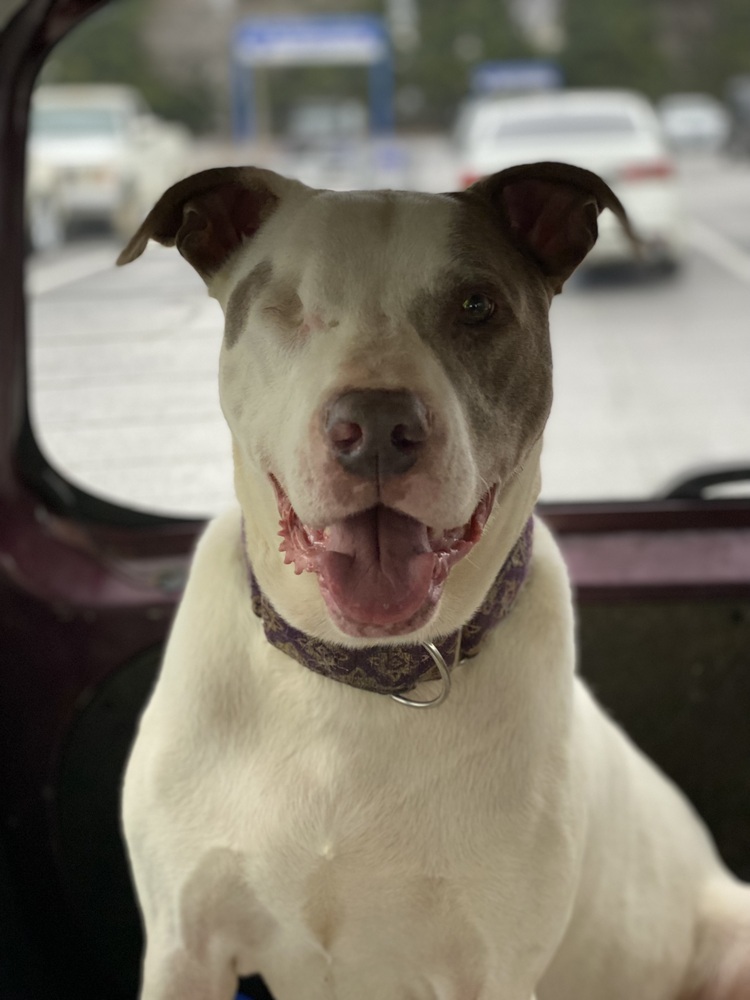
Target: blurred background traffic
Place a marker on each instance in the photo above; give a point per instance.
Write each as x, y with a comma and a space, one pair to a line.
654, 95
339, 96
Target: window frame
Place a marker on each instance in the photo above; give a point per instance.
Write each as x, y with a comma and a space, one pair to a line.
24, 470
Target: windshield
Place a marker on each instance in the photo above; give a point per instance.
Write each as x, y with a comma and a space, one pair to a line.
73, 123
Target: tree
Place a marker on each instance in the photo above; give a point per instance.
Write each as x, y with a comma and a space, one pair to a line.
613, 44
109, 47
731, 43
454, 37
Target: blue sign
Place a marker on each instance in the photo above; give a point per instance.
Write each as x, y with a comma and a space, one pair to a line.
325, 39
516, 75
322, 40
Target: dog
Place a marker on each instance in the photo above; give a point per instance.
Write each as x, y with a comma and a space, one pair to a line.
368, 768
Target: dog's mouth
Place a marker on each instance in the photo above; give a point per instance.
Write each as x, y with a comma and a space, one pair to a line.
381, 572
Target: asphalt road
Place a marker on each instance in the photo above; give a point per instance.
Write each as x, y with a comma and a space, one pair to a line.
652, 375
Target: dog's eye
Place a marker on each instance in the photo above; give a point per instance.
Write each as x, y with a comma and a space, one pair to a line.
476, 308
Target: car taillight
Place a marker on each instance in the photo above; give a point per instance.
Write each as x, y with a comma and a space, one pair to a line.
650, 170
470, 178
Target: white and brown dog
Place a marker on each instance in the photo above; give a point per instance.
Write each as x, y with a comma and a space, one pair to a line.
386, 377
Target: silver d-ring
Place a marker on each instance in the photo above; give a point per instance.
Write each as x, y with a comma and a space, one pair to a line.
445, 676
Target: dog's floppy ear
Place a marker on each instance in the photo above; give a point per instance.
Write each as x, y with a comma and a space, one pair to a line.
551, 211
208, 215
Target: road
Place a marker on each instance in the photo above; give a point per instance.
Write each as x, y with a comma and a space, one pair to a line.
652, 375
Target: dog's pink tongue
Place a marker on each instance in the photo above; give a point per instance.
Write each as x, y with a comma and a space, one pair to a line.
378, 566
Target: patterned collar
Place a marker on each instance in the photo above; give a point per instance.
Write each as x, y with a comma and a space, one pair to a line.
394, 670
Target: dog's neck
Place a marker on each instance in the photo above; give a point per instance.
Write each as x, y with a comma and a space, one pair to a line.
395, 669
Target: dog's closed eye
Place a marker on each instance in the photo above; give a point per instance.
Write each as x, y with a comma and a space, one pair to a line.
285, 307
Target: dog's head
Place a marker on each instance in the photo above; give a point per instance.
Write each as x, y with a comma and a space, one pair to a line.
386, 375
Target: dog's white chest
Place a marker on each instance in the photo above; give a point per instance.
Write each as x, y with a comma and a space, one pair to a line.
345, 845
342, 908
356, 835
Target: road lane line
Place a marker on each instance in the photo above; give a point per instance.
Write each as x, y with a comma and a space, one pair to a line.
720, 249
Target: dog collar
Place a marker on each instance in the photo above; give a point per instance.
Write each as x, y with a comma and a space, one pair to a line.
394, 670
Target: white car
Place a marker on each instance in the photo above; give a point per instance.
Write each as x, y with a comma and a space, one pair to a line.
615, 133
110, 157
695, 122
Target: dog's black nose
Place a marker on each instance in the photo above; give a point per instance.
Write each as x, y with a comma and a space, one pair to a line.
377, 433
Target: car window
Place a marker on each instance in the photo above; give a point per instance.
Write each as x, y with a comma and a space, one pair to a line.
651, 353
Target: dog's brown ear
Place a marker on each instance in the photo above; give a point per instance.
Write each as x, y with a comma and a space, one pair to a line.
551, 211
208, 215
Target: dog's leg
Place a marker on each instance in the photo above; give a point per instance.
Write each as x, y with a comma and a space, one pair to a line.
732, 979
177, 975
725, 945
198, 949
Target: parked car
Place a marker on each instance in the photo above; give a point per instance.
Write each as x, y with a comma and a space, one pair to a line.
695, 122
109, 156
615, 133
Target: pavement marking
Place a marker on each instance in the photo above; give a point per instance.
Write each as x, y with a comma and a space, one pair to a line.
720, 249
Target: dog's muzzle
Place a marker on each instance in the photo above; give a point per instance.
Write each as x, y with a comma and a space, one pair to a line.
377, 433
